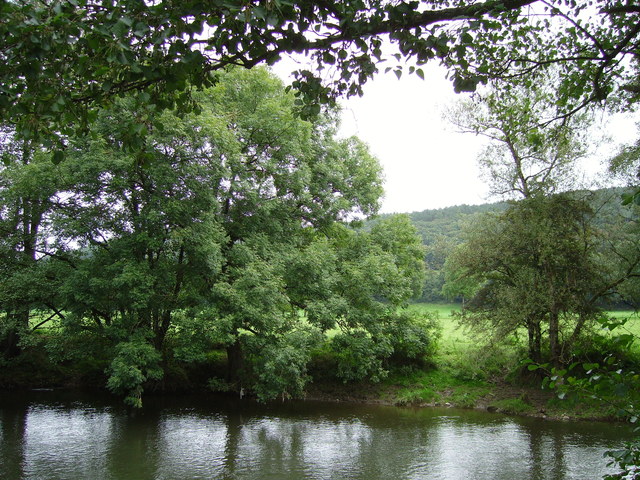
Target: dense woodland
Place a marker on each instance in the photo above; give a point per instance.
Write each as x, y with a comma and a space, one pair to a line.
172, 215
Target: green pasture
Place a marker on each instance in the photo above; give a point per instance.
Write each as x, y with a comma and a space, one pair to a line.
452, 334
469, 355
465, 366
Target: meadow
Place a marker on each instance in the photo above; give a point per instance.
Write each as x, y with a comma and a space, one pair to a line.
472, 371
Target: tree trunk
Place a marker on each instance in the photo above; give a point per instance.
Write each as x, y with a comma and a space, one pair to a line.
10, 344
18, 323
235, 361
535, 346
554, 338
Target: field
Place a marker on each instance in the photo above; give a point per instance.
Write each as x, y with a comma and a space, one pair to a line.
452, 335
470, 372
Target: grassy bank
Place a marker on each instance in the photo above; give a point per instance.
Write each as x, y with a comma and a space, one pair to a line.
469, 373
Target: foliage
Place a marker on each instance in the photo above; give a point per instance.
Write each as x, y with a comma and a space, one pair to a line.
625, 166
28, 186
229, 228
627, 459
403, 341
441, 230
279, 366
207, 221
532, 148
535, 263
65, 58
413, 339
614, 382
135, 362
360, 357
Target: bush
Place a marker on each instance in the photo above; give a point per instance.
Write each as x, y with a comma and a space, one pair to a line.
278, 366
361, 357
628, 460
413, 339
135, 362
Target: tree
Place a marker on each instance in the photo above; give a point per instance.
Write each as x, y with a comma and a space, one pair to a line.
532, 149
28, 187
230, 228
64, 58
535, 267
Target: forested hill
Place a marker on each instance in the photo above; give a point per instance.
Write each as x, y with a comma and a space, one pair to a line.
448, 222
442, 229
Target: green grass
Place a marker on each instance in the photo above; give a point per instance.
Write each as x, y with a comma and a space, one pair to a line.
454, 338
438, 387
464, 368
633, 321
513, 406
442, 309
450, 330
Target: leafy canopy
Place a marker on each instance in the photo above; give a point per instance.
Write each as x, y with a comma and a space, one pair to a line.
62, 59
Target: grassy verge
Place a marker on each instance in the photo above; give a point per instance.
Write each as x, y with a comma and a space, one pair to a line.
467, 374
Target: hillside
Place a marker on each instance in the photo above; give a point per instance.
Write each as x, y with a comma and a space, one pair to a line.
442, 229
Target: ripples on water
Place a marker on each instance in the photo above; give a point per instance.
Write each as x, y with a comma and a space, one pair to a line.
44, 438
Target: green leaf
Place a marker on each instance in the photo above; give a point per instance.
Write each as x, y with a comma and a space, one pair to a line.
328, 58
58, 157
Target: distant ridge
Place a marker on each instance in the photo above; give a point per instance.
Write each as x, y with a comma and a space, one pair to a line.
441, 229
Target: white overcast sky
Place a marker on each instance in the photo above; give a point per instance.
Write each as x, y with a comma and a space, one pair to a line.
427, 164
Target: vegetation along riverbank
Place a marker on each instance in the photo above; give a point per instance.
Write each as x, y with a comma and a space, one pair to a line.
460, 372
173, 217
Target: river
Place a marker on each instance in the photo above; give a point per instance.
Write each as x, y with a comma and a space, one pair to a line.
68, 436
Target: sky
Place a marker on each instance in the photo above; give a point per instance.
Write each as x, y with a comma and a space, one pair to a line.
427, 164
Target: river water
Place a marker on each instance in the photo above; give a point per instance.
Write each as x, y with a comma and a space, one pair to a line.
65, 436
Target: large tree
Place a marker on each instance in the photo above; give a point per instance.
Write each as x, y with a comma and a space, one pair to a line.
535, 267
63, 58
229, 228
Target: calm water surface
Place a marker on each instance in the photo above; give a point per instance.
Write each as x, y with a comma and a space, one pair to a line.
52, 435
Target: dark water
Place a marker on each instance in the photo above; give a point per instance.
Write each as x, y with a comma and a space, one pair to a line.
49, 435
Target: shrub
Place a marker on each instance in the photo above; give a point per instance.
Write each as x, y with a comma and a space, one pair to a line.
413, 339
361, 357
135, 362
278, 366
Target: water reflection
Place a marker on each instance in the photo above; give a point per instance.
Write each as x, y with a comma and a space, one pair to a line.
44, 438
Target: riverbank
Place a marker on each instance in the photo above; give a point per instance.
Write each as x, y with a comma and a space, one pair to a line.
421, 389
459, 372
431, 387
498, 397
